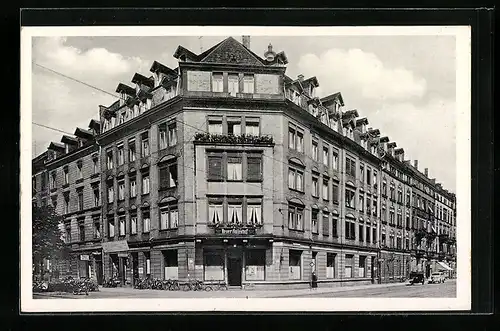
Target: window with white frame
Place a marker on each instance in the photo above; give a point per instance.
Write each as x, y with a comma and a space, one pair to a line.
121, 222
215, 213
255, 264
111, 227
215, 125
121, 190
315, 186
296, 179
235, 213
325, 189
234, 126
254, 214
295, 138
314, 150
131, 150
252, 126
248, 83
217, 82
144, 144
133, 186
111, 192
350, 229
234, 167
133, 223
326, 155
172, 133
350, 167
146, 221
66, 175
350, 198
233, 83
109, 159
335, 159
66, 203
121, 156
53, 181
169, 217
314, 221
79, 166
145, 183
295, 217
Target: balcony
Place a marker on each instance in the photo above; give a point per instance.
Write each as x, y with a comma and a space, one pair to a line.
209, 139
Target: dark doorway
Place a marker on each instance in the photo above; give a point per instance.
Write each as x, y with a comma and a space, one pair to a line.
135, 268
234, 267
428, 271
98, 269
372, 270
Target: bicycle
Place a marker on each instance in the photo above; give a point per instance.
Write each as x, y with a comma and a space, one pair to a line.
172, 285
220, 286
197, 285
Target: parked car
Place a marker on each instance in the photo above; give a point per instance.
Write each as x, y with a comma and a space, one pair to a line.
417, 278
437, 277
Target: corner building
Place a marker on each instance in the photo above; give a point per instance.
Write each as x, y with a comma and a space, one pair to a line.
226, 169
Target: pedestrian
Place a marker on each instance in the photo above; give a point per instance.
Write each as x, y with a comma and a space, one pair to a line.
314, 280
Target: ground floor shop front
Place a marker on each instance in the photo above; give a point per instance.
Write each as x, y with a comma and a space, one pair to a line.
243, 263
85, 263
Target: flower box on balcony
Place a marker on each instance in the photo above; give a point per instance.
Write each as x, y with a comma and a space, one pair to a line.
208, 138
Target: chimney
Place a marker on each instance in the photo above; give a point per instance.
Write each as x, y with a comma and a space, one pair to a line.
426, 172
415, 164
246, 41
300, 77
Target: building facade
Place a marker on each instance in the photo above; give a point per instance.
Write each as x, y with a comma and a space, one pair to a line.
226, 169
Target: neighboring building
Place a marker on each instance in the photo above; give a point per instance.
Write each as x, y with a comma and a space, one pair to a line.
445, 216
73, 180
224, 168
397, 234
39, 180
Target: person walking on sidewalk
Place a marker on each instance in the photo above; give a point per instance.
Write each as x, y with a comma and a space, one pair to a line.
314, 280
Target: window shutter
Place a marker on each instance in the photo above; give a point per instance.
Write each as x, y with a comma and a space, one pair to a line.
254, 168
215, 168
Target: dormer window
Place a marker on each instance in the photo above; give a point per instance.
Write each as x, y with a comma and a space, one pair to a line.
312, 91
66, 148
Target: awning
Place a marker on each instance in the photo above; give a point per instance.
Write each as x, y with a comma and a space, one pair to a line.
115, 246
444, 266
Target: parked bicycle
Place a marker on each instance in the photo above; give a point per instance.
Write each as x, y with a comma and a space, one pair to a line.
171, 285
196, 285
220, 286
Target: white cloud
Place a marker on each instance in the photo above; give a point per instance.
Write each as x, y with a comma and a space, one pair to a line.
362, 73
427, 134
63, 103
53, 51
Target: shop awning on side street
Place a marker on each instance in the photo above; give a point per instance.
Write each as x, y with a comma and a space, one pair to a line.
115, 246
444, 266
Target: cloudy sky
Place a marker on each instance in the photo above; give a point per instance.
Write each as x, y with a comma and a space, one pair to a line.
404, 85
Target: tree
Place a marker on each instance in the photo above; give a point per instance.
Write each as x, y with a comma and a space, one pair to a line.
47, 236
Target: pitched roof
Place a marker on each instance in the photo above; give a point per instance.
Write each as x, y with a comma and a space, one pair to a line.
333, 97
123, 88
69, 140
82, 133
56, 146
231, 51
157, 66
140, 79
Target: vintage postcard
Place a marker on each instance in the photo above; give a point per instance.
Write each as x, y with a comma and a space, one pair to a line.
245, 169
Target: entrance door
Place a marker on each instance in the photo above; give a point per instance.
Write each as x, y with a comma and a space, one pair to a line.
234, 267
135, 268
372, 269
98, 266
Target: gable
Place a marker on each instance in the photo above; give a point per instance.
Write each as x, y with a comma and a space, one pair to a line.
231, 51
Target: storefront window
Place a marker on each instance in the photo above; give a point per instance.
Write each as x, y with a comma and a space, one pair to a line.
330, 265
171, 264
213, 261
255, 261
294, 259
